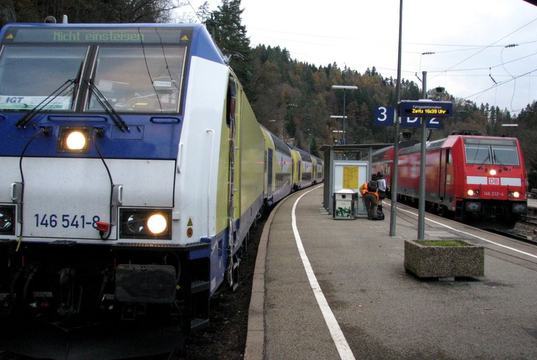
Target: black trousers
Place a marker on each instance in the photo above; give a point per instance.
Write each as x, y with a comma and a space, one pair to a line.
382, 196
370, 202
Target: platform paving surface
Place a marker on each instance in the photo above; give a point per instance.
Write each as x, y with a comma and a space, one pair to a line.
384, 312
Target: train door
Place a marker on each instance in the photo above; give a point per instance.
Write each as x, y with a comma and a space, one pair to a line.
442, 183
265, 174
234, 200
269, 172
292, 172
299, 173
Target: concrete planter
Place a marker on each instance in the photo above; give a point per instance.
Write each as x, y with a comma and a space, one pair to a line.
441, 258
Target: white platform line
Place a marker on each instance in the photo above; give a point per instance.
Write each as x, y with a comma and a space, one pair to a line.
342, 346
470, 234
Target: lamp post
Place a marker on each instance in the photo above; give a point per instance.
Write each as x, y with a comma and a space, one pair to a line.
342, 131
395, 172
423, 165
508, 126
344, 87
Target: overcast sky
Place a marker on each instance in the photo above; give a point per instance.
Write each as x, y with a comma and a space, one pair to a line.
467, 38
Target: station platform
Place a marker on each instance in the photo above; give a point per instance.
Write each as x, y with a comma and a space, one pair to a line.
331, 289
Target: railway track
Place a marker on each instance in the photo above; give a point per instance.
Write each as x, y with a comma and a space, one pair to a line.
531, 220
524, 230
512, 234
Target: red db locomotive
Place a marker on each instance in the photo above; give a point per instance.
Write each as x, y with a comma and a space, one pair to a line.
470, 176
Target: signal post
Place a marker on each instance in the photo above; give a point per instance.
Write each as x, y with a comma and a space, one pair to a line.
425, 110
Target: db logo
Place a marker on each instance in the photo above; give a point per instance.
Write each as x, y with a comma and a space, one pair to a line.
494, 181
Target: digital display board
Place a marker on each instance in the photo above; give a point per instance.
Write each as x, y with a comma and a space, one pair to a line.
425, 109
97, 35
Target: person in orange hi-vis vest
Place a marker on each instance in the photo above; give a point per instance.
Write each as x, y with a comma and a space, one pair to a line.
370, 196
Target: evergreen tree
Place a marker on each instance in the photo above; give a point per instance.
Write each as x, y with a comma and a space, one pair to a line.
80, 11
226, 28
7, 12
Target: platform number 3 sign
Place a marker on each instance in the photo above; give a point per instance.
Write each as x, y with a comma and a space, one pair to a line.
384, 117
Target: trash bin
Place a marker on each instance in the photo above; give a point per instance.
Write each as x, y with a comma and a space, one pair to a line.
344, 204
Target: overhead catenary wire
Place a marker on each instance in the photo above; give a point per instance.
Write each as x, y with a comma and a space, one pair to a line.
500, 84
491, 44
469, 45
194, 11
509, 73
325, 36
485, 67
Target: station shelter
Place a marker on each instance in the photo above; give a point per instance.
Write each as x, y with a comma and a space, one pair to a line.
347, 167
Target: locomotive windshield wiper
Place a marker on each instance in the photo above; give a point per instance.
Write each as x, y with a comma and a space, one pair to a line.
50, 98
120, 123
487, 159
46, 101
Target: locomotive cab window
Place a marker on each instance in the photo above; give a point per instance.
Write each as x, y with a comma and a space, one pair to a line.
145, 79
478, 154
29, 74
501, 152
505, 155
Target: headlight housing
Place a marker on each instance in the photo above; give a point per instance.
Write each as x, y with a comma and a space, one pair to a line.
74, 140
514, 194
471, 192
145, 224
7, 220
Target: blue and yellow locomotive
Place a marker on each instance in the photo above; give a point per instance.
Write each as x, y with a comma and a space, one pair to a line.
132, 170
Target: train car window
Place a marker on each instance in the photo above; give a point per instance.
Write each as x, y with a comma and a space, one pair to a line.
28, 74
478, 154
136, 78
505, 155
280, 145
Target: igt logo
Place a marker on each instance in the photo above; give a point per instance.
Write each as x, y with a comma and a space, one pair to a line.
14, 99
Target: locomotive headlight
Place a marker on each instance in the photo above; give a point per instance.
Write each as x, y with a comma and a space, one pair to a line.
74, 140
470, 192
145, 223
492, 172
516, 194
135, 225
7, 220
157, 224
